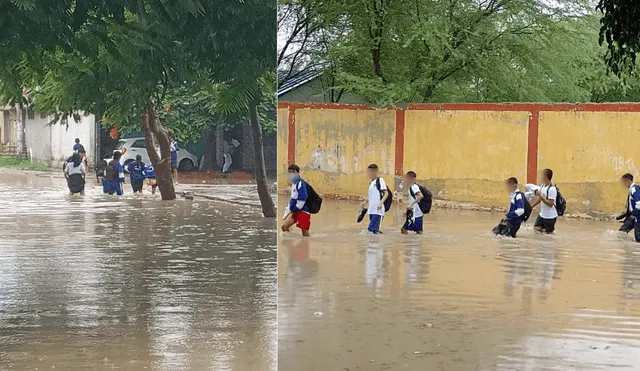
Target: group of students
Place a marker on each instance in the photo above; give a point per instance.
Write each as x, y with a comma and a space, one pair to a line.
113, 176
547, 195
305, 201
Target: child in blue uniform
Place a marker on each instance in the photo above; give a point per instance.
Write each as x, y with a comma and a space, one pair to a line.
136, 170
174, 156
297, 212
510, 225
149, 174
114, 176
633, 206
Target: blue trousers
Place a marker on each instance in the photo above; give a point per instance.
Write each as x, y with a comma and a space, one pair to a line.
374, 223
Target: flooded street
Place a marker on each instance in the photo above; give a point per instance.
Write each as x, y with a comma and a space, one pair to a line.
457, 298
132, 283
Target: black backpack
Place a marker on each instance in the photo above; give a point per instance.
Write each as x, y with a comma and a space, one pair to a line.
111, 172
101, 167
314, 201
389, 200
427, 199
527, 208
561, 203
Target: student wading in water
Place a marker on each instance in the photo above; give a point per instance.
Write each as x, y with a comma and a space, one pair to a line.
136, 171
420, 200
632, 215
547, 195
114, 176
519, 210
297, 212
75, 173
378, 199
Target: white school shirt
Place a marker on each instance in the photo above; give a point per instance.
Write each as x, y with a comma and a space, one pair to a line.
550, 192
70, 169
633, 189
416, 208
374, 197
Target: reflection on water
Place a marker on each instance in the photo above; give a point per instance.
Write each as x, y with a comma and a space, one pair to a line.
457, 298
134, 283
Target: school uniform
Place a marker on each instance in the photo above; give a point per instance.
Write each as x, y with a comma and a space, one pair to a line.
174, 155
112, 183
634, 208
75, 180
375, 196
298, 205
548, 214
149, 173
78, 147
513, 216
136, 176
416, 222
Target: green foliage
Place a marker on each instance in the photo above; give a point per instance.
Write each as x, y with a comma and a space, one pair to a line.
21, 163
399, 51
620, 30
116, 59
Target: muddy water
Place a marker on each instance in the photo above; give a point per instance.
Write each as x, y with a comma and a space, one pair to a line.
132, 283
457, 298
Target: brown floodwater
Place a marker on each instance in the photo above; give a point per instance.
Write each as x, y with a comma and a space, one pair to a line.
132, 283
457, 298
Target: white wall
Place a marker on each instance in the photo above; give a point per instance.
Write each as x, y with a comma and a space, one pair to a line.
52, 144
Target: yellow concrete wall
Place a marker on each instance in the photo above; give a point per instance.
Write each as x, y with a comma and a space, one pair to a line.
334, 148
283, 146
466, 155
588, 152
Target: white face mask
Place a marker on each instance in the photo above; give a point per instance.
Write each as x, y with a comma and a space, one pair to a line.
293, 177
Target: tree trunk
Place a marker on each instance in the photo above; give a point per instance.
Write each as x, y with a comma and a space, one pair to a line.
154, 129
376, 55
21, 145
209, 152
219, 138
268, 208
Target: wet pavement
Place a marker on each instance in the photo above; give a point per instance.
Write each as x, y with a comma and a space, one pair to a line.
457, 298
132, 283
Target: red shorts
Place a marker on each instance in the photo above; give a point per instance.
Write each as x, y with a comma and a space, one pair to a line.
302, 219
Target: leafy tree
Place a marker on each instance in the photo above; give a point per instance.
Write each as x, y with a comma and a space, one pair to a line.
399, 51
126, 57
620, 29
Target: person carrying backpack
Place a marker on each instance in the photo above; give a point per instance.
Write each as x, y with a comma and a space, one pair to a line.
547, 196
420, 200
632, 215
378, 200
302, 204
519, 210
114, 176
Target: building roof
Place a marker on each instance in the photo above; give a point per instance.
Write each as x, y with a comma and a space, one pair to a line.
296, 81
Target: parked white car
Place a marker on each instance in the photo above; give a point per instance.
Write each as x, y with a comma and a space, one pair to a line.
136, 146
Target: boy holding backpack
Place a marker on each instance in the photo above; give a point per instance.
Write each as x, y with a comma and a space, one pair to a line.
420, 201
519, 210
551, 203
378, 200
299, 212
631, 216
